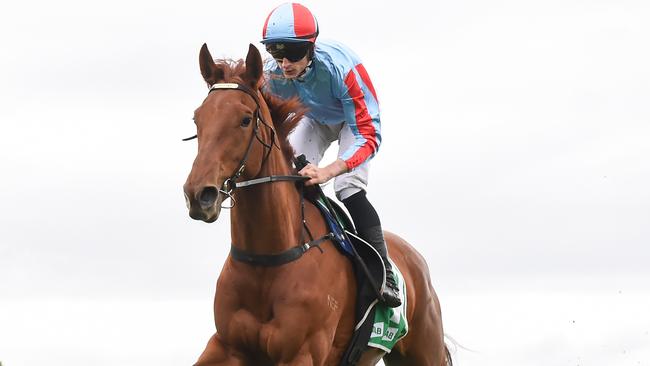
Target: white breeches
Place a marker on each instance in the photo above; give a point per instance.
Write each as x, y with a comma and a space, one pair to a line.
312, 139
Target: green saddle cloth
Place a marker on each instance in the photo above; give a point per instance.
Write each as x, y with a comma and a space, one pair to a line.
390, 323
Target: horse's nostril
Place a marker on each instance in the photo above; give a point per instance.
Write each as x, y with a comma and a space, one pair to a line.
187, 201
208, 197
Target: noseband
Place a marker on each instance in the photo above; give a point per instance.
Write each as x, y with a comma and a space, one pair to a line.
231, 183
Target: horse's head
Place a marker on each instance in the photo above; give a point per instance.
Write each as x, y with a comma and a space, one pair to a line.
233, 139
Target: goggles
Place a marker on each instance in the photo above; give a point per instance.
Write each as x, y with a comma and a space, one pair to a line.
293, 52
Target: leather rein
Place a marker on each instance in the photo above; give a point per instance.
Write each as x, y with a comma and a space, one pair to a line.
230, 184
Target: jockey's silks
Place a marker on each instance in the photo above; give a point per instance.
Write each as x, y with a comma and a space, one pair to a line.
335, 88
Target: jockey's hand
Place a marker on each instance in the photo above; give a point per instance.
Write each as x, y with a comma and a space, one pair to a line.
322, 175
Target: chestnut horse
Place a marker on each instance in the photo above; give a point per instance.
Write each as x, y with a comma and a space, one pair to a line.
300, 312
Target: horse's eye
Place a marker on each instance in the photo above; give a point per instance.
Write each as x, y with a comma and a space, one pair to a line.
246, 121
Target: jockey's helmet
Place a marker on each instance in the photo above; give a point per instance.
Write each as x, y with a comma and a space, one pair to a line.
290, 23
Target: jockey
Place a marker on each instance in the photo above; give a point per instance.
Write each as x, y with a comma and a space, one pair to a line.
331, 81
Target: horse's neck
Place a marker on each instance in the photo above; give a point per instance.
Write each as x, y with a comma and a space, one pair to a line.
266, 218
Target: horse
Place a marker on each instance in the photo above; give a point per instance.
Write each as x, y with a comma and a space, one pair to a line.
300, 312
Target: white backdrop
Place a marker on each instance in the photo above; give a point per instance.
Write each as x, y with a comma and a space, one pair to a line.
515, 158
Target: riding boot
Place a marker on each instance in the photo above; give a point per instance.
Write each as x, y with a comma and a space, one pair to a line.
375, 237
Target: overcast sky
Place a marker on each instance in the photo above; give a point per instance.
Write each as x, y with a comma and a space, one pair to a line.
515, 158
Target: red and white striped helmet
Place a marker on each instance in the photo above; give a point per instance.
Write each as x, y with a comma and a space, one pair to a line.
290, 22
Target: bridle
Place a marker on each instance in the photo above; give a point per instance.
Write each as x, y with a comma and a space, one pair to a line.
229, 185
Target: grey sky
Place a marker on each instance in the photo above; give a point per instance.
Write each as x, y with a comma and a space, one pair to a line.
515, 158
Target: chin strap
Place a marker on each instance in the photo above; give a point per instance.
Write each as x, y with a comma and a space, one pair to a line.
304, 72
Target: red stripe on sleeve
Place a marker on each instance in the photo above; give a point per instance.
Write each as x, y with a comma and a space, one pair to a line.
359, 157
366, 80
363, 122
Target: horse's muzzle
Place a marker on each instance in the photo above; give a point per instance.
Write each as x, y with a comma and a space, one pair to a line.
205, 204
208, 196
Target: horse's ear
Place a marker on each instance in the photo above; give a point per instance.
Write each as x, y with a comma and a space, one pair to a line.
210, 71
254, 70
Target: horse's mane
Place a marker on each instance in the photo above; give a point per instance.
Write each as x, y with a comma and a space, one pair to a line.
285, 113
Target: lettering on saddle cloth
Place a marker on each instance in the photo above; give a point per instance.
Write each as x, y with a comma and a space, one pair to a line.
377, 325
390, 324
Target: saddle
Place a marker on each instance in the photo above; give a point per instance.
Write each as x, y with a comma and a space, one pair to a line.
367, 264
368, 270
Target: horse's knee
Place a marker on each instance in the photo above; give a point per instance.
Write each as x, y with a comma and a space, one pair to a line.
370, 357
216, 354
279, 344
272, 343
302, 360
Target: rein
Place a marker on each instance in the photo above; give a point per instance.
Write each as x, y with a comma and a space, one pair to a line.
230, 184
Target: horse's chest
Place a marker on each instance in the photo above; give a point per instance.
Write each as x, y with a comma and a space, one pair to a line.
256, 308
260, 319
265, 329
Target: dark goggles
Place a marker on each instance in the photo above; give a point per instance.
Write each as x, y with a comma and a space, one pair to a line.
293, 52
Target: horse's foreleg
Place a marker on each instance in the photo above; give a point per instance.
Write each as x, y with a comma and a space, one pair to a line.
370, 357
291, 346
301, 360
217, 354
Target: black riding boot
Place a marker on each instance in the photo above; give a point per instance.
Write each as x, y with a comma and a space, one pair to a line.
375, 237
368, 226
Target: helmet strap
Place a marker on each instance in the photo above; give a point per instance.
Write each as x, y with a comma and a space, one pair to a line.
310, 53
299, 77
